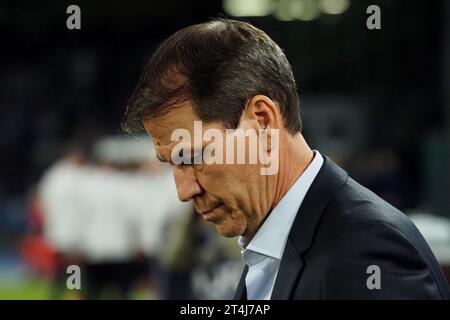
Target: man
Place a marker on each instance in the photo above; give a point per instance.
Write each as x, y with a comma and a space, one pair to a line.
307, 230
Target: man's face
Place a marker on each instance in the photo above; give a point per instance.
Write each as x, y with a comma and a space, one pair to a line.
235, 197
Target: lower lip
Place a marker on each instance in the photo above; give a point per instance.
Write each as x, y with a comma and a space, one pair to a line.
210, 216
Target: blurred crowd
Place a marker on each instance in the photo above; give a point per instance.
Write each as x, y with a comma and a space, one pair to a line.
116, 215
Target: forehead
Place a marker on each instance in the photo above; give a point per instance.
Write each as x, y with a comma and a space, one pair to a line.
180, 117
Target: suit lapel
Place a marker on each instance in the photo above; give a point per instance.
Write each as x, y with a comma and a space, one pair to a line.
241, 291
290, 267
328, 181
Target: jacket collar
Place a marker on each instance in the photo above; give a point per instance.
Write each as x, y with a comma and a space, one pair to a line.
328, 181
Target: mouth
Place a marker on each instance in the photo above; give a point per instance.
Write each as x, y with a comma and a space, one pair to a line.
209, 214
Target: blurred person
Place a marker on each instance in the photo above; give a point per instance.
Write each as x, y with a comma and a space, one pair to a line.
178, 258
108, 242
34, 246
308, 231
196, 262
219, 266
63, 215
153, 184
152, 198
130, 197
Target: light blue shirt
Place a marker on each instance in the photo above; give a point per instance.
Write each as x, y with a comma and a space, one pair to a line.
264, 252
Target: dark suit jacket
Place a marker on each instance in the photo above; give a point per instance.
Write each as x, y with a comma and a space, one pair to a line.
340, 230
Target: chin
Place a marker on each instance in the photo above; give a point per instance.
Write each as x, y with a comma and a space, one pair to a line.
229, 231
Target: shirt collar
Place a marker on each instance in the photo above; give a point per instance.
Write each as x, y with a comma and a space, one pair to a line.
271, 237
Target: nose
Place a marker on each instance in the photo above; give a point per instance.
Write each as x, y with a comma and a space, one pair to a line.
186, 182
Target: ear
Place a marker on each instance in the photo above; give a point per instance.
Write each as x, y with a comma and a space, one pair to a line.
264, 112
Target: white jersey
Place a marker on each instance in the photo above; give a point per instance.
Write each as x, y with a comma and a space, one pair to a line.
108, 227
59, 191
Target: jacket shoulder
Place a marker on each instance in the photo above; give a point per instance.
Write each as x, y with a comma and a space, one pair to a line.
360, 230
355, 205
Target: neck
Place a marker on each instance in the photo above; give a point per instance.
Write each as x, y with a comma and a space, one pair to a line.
294, 160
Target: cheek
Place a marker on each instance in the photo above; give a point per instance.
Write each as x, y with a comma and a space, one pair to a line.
237, 186
232, 225
221, 180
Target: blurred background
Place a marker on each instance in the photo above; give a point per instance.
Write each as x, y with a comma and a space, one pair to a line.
73, 190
